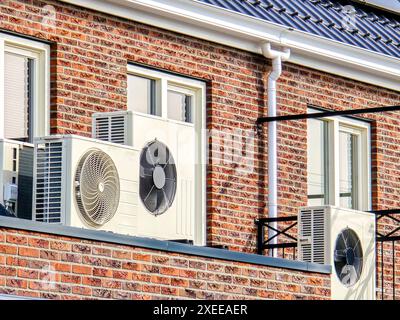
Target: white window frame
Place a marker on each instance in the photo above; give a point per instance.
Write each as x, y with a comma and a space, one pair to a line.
196, 88
40, 53
362, 130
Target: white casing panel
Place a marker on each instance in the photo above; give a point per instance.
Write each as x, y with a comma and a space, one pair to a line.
72, 149
318, 230
178, 222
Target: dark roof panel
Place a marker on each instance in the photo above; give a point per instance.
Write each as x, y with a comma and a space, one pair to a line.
373, 30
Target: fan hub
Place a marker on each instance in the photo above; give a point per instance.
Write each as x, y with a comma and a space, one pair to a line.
350, 255
101, 187
159, 177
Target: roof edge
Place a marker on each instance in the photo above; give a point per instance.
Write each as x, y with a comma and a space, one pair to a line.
247, 33
384, 5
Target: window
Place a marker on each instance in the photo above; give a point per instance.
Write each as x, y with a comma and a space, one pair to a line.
160, 94
317, 162
24, 86
18, 71
180, 104
348, 182
338, 165
172, 109
142, 95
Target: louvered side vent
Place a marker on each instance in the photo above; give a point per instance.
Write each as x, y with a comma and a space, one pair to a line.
318, 238
305, 235
48, 183
110, 128
25, 183
312, 235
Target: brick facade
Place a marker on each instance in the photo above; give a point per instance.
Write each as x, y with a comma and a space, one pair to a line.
53, 267
90, 52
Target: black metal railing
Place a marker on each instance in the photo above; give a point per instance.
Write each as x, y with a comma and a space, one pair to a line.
387, 235
288, 241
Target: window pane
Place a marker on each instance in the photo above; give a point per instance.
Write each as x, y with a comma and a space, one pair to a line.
347, 170
141, 95
17, 97
316, 164
179, 106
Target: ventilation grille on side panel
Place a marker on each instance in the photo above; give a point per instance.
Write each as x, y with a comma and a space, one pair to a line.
312, 235
305, 228
110, 128
48, 184
318, 236
25, 182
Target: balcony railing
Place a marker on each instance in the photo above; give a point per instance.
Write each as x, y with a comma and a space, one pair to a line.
387, 240
288, 241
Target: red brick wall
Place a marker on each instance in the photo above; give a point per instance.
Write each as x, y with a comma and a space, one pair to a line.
89, 58
89, 72
300, 86
40, 265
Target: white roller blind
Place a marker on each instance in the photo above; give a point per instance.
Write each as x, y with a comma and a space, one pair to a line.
16, 96
179, 106
141, 95
317, 162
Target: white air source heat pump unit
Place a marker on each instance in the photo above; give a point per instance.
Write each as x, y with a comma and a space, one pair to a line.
84, 183
167, 187
344, 239
16, 177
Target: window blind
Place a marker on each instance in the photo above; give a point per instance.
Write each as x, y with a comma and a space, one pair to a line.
16, 96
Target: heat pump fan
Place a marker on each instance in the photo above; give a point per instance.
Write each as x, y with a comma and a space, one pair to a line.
344, 239
97, 187
158, 177
348, 257
86, 183
171, 193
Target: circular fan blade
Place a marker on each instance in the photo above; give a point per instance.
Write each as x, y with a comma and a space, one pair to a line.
157, 177
339, 256
147, 161
169, 190
151, 200
162, 202
170, 171
97, 191
149, 193
349, 275
146, 186
158, 152
163, 155
348, 257
344, 234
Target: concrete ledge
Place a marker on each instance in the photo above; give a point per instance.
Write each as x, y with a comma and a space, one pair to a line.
169, 246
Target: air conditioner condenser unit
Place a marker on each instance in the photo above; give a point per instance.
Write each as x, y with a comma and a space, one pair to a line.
344, 239
170, 189
16, 177
85, 183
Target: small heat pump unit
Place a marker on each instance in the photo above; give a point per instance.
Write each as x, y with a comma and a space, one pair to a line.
16, 177
169, 193
344, 239
85, 183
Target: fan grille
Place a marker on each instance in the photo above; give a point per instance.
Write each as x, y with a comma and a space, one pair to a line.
158, 177
348, 257
97, 187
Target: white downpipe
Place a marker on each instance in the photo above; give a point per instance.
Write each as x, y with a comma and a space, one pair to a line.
277, 58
